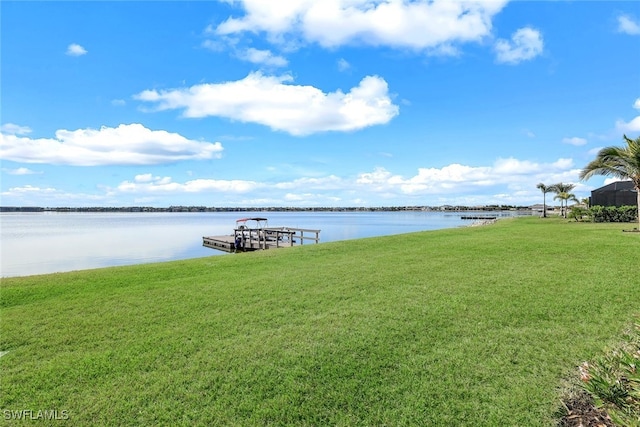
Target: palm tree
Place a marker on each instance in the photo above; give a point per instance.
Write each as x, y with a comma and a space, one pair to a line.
563, 196
559, 189
545, 189
618, 162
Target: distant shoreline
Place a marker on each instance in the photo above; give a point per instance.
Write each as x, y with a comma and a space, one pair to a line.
446, 208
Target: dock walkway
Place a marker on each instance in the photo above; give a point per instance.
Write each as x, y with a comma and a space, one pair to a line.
479, 217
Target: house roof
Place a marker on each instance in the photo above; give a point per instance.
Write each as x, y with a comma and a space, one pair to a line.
616, 186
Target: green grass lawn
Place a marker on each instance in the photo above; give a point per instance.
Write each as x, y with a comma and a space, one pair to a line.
471, 326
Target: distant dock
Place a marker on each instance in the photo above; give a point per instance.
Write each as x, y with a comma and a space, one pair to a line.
260, 237
479, 217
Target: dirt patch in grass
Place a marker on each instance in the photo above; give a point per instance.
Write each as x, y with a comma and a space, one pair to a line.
581, 412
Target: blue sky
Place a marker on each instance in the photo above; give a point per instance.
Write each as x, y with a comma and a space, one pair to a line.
311, 102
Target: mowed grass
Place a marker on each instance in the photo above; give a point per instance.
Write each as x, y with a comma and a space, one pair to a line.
477, 326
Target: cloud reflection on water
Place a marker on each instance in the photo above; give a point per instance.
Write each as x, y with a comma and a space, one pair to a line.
69, 242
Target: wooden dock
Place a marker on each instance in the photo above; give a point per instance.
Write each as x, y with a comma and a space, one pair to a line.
246, 239
479, 217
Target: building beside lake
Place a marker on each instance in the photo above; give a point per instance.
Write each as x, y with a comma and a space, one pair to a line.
619, 193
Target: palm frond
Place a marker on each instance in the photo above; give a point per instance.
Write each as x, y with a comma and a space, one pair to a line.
618, 162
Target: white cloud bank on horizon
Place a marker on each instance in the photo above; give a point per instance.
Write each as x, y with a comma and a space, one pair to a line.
525, 44
274, 102
450, 179
147, 183
30, 195
420, 25
131, 144
457, 178
507, 181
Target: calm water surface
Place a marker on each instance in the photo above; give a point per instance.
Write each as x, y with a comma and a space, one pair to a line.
48, 242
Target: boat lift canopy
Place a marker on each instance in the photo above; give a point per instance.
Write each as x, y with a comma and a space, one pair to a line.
260, 222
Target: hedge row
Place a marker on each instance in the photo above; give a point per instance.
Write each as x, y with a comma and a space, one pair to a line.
606, 213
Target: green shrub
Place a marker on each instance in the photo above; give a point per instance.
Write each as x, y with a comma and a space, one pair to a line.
578, 213
614, 380
613, 213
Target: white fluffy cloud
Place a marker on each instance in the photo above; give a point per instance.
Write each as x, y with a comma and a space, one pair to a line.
631, 126
30, 195
272, 101
75, 50
416, 24
507, 180
262, 57
131, 144
20, 171
13, 129
454, 182
462, 182
574, 141
343, 64
147, 183
331, 182
525, 44
627, 25
461, 179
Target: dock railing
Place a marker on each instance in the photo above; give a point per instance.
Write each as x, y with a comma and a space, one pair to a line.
302, 237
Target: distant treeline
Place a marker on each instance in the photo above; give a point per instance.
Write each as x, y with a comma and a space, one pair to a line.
489, 208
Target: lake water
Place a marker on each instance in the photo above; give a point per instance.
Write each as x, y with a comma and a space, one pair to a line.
49, 242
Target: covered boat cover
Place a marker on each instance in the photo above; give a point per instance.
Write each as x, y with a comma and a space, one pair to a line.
259, 222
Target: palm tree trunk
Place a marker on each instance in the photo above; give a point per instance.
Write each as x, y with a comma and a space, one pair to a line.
638, 190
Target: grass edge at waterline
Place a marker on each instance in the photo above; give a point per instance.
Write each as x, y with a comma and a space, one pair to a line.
466, 326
